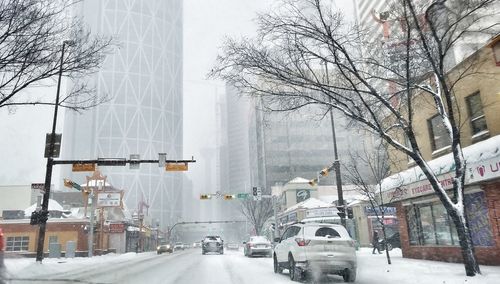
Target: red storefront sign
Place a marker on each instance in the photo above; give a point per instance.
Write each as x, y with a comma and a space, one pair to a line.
117, 228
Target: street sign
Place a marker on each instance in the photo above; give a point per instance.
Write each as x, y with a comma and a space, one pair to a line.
83, 167
39, 186
176, 167
57, 145
258, 197
243, 195
134, 161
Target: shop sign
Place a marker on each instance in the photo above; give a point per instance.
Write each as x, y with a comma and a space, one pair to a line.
292, 217
302, 195
476, 172
321, 212
371, 211
109, 199
116, 228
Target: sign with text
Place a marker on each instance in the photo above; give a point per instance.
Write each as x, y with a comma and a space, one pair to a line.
176, 167
109, 199
302, 195
321, 212
116, 228
83, 167
39, 186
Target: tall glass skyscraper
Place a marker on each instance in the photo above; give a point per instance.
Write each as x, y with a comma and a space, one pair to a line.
143, 79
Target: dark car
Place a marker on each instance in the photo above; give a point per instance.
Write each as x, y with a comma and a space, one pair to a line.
394, 240
212, 244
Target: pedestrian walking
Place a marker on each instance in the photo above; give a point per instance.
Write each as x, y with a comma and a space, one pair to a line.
375, 242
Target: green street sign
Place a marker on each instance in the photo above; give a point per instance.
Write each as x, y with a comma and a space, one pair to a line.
243, 195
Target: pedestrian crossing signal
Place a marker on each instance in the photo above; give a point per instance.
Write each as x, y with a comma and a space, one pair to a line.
205, 196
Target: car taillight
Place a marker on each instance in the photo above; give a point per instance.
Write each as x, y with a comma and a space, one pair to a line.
251, 245
302, 242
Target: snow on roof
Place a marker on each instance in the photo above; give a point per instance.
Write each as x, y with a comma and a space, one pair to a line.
298, 180
53, 206
475, 153
310, 203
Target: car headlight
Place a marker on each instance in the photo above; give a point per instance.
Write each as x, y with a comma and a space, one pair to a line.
157, 248
168, 246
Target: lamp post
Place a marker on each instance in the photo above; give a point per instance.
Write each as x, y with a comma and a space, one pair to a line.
337, 173
48, 174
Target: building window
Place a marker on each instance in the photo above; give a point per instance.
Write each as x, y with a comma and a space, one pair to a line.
17, 243
438, 134
53, 240
496, 52
430, 225
476, 114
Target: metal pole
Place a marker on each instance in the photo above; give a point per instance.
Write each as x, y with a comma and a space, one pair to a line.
91, 231
337, 172
48, 174
276, 226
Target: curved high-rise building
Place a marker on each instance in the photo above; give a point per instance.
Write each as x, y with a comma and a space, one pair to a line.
143, 78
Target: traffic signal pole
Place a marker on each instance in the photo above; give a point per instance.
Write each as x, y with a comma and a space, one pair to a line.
338, 176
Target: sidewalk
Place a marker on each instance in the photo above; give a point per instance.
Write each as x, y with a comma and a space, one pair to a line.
374, 269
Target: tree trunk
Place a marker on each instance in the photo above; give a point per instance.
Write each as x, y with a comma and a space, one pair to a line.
466, 246
386, 243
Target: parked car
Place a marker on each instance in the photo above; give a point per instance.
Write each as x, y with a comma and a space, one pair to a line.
164, 248
258, 245
233, 246
178, 246
393, 241
321, 248
212, 244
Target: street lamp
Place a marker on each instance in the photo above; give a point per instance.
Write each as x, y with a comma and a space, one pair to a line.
48, 174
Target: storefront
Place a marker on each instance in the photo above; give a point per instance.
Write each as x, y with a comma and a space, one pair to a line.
426, 229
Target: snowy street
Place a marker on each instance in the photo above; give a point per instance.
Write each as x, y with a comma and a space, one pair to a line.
191, 267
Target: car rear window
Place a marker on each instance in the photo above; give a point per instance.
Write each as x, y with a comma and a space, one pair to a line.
258, 239
322, 232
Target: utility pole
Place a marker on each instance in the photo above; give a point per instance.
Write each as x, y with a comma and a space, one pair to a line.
44, 212
340, 193
91, 225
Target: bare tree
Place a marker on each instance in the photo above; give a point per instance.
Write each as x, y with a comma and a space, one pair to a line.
370, 186
257, 212
31, 36
306, 53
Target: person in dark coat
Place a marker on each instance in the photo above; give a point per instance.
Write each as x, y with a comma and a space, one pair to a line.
375, 242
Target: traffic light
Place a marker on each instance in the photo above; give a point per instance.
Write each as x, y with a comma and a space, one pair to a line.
312, 182
324, 172
205, 196
341, 212
229, 197
68, 183
350, 214
254, 191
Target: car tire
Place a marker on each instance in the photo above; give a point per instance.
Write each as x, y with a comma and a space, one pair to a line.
292, 269
277, 268
349, 275
203, 252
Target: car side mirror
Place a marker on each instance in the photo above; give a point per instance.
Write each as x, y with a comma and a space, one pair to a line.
244, 243
277, 240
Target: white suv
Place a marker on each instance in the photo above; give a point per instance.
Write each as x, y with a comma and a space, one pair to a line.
315, 248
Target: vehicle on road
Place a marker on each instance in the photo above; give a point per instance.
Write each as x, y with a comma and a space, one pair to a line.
313, 249
178, 246
258, 245
212, 244
164, 248
393, 241
232, 246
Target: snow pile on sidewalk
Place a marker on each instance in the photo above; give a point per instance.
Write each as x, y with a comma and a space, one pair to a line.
374, 269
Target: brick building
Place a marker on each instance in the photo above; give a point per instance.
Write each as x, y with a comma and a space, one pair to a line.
427, 231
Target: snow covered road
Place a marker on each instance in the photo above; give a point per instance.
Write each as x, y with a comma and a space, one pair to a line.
186, 267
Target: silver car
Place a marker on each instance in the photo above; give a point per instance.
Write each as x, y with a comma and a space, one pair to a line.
316, 248
258, 245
